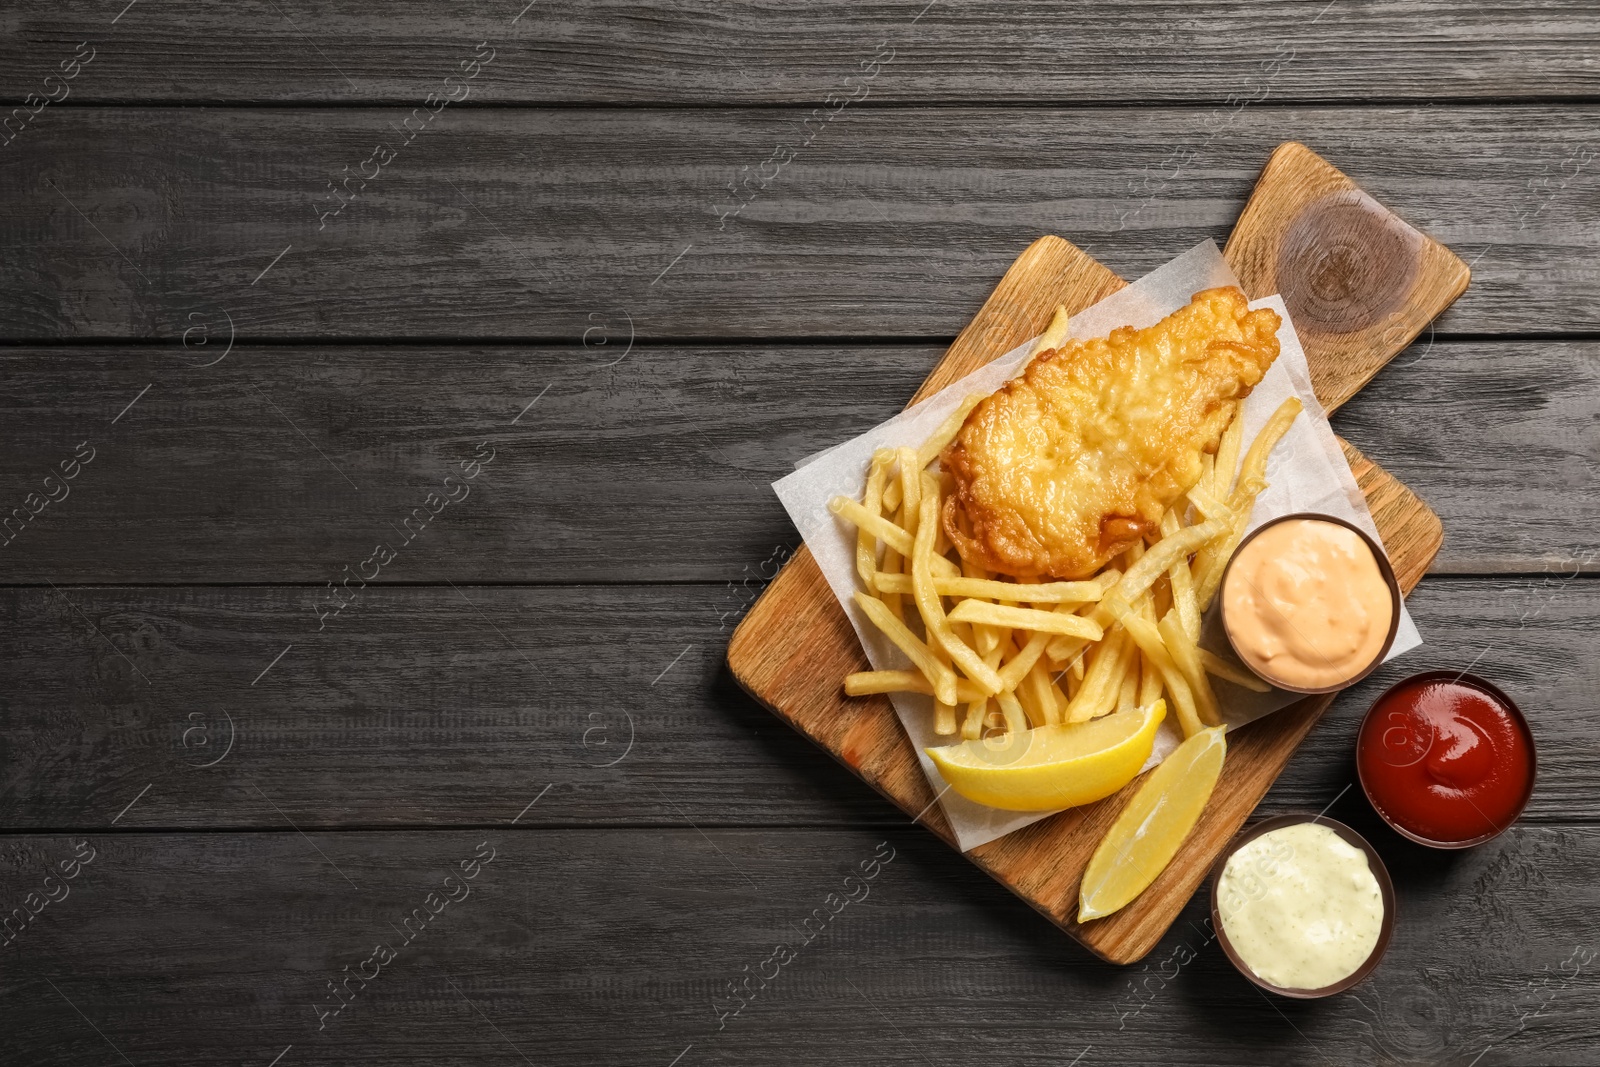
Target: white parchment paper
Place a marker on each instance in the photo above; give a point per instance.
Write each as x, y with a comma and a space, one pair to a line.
1306, 472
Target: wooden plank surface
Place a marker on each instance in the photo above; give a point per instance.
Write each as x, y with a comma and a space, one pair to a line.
577, 946
207, 469
893, 223
625, 907
620, 51
413, 709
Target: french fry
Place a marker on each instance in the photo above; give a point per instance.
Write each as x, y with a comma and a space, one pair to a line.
1106, 701
1209, 506
865, 683
1103, 682
964, 632
1149, 680
1181, 580
1023, 592
1150, 566
910, 489
892, 488
1055, 334
874, 524
895, 583
1126, 669
1058, 693
1128, 698
979, 708
1015, 592
1228, 455
1036, 689
891, 496
1213, 559
944, 714
1032, 619
1220, 667
927, 598
1148, 638
1016, 720
972, 726
1128, 666
946, 483
1255, 460
1210, 564
1018, 666
1032, 707
984, 638
947, 431
1067, 648
1013, 672
1137, 581
943, 679
891, 567
968, 634
1000, 646
1186, 657
1147, 612
872, 504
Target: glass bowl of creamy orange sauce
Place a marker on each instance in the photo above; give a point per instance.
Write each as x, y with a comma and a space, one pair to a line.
1310, 603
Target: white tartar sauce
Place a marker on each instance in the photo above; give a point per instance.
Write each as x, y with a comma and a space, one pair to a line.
1300, 906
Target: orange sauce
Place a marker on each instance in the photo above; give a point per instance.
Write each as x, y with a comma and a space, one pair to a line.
1306, 604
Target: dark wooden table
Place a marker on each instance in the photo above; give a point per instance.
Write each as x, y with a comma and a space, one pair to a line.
391, 394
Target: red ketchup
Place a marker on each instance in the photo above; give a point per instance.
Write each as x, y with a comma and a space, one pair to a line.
1446, 759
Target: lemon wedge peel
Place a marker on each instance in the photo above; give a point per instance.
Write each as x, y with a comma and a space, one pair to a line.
1053, 767
1154, 825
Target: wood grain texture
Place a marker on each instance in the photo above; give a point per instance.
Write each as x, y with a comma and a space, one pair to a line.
1360, 283
288, 465
1050, 273
626, 897
411, 707
522, 224
194, 949
621, 51
1507, 456
657, 469
789, 655
423, 707
1412, 533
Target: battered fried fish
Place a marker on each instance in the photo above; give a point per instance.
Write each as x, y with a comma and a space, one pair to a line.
1070, 464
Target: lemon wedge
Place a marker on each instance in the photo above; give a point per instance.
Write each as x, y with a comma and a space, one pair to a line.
1147, 834
1051, 767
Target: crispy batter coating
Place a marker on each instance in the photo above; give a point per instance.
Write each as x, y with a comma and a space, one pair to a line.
1067, 466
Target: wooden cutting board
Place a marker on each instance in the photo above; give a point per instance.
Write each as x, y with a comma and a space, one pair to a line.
795, 646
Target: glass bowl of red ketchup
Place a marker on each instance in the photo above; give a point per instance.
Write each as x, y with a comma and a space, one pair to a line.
1446, 758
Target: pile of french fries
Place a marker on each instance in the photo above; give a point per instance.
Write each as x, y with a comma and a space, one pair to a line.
999, 654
